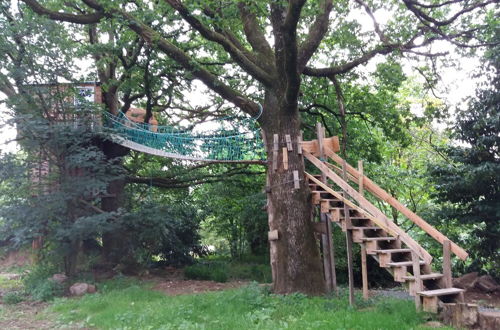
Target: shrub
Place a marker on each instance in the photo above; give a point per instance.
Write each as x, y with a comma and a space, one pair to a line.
217, 272
13, 297
38, 284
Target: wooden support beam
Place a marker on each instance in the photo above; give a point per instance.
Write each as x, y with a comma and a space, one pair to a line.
364, 267
418, 282
364, 272
331, 248
447, 280
299, 143
348, 234
385, 196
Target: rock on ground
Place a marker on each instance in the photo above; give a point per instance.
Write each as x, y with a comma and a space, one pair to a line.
79, 289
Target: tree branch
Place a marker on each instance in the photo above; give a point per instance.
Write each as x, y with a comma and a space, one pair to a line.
315, 35
251, 67
65, 17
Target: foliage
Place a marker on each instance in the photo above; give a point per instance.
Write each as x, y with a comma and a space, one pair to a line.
223, 269
39, 286
234, 210
251, 307
468, 184
168, 234
13, 297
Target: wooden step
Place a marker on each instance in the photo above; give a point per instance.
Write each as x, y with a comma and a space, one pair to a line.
424, 277
430, 297
393, 251
366, 228
403, 263
440, 292
368, 239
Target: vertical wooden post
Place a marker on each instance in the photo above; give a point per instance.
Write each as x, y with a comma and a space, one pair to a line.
326, 239
348, 236
275, 151
418, 282
447, 263
364, 268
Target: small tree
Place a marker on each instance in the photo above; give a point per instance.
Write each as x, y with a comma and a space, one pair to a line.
469, 184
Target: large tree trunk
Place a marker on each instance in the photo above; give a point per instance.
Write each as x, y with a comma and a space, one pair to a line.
295, 258
114, 247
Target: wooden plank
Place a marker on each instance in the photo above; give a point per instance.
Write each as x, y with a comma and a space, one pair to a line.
373, 210
285, 158
360, 178
275, 151
273, 235
296, 181
348, 233
319, 227
447, 263
332, 254
418, 282
288, 140
364, 272
382, 194
440, 292
299, 143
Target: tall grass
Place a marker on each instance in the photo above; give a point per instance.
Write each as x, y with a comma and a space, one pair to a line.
133, 306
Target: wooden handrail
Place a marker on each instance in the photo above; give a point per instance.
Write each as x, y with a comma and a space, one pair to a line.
385, 196
376, 215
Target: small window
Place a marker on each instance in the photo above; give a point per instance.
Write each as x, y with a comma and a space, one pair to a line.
85, 95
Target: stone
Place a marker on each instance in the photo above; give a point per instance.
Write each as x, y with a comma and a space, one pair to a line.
79, 289
489, 320
433, 324
466, 281
487, 284
59, 278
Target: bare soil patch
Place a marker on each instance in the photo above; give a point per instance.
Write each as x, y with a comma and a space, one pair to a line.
25, 315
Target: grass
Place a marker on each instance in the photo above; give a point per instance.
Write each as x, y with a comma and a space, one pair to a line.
127, 305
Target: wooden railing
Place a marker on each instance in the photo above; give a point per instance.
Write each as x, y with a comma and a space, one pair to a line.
378, 192
365, 207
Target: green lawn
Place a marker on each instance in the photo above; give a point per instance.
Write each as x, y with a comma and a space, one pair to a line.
125, 305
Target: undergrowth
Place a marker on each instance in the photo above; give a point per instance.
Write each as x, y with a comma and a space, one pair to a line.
129, 305
224, 270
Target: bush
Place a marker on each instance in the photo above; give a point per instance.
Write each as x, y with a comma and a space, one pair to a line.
222, 270
217, 272
13, 297
39, 286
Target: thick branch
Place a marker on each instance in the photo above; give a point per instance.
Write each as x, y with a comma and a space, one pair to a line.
65, 17
246, 64
290, 52
253, 31
315, 35
186, 61
346, 67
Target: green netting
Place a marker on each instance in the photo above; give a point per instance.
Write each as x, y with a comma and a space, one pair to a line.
239, 143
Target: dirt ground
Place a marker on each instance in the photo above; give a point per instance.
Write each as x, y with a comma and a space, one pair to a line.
25, 315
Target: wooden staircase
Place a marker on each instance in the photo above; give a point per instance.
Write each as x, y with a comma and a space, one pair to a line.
394, 249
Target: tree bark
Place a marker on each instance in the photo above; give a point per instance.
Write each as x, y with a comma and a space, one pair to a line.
114, 248
295, 259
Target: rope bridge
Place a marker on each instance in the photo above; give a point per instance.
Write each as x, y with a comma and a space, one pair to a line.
242, 143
